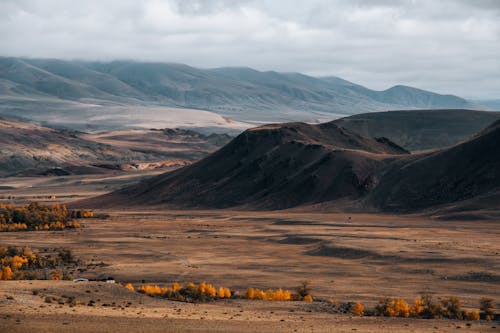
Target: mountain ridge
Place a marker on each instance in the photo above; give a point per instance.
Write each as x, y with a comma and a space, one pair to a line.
238, 93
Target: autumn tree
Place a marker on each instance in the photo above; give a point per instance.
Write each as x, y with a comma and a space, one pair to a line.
487, 307
304, 289
358, 309
307, 298
130, 286
392, 308
452, 307
6, 273
472, 315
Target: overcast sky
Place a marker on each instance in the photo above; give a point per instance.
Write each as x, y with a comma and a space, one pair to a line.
448, 46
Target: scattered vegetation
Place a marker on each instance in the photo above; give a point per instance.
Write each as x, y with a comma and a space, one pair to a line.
202, 292
426, 307
269, 295
189, 293
25, 264
392, 308
39, 217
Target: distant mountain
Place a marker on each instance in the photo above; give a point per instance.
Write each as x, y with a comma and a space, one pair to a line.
492, 104
45, 89
291, 165
417, 130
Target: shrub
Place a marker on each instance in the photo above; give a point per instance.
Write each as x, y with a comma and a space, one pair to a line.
269, 295
392, 308
358, 309
6, 273
452, 307
66, 255
304, 289
250, 294
417, 308
152, 290
487, 307
130, 287
472, 315
308, 298
432, 310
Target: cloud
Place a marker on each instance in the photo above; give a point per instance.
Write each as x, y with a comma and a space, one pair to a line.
446, 46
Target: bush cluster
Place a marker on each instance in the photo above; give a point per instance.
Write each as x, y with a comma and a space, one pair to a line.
425, 307
190, 292
269, 295
487, 307
39, 217
25, 264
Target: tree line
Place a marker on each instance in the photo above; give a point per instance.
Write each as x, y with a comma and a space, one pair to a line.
35, 217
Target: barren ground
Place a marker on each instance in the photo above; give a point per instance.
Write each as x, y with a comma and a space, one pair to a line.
361, 258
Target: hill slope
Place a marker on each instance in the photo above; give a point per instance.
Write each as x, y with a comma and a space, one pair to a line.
59, 87
420, 129
289, 165
462, 172
271, 167
30, 149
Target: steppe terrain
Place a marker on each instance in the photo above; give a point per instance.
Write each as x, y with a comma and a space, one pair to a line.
346, 257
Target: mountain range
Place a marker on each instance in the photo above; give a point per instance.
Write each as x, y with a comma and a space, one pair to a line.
124, 94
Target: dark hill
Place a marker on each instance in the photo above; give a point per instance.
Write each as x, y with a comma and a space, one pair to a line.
420, 129
270, 167
294, 164
462, 172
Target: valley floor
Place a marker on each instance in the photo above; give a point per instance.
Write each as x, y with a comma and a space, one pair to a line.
357, 257
347, 257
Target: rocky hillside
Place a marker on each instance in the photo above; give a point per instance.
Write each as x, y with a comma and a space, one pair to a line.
27, 149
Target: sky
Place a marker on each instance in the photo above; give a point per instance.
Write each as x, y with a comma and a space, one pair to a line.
447, 46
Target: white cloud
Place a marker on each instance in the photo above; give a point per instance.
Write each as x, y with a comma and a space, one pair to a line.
447, 46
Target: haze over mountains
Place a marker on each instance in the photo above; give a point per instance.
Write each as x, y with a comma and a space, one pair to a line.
124, 94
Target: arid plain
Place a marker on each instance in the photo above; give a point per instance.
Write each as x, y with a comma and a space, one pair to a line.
347, 257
